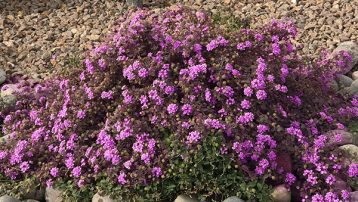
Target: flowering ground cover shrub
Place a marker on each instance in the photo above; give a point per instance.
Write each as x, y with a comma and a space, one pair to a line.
170, 103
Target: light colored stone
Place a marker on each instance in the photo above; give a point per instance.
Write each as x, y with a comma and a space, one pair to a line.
7, 198
355, 75
98, 198
344, 81
233, 199
93, 37
30, 200
281, 194
185, 198
354, 85
294, 2
134, 2
7, 94
352, 48
354, 196
351, 150
53, 195
2, 76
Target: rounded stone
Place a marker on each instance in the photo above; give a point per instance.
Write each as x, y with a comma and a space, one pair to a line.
185, 198
2, 76
233, 199
99, 198
354, 85
53, 195
352, 48
355, 75
281, 194
351, 150
7, 94
354, 196
344, 81
7, 198
334, 85
338, 138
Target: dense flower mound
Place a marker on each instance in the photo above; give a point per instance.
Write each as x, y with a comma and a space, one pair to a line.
172, 74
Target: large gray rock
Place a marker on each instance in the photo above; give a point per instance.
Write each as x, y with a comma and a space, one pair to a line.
338, 138
7, 198
53, 195
2, 76
281, 194
30, 200
344, 81
233, 199
352, 48
35, 194
185, 198
99, 198
334, 85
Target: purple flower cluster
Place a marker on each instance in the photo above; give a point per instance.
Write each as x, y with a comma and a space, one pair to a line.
175, 72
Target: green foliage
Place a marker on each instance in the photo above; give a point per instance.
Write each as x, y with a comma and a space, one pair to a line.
228, 21
204, 173
18, 189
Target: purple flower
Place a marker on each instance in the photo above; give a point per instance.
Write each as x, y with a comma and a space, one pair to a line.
246, 118
54, 172
276, 49
172, 108
245, 104
24, 166
248, 91
107, 95
102, 64
193, 137
261, 95
169, 90
290, 179
76, 172
81, 114
143, 73
157, 171
353, 170
187, 109
122, 178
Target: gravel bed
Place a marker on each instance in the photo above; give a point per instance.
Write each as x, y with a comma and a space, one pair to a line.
38, 37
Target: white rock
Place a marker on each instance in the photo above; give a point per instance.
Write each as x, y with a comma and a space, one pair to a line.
98, 198
355, 75
294, 2
53, 195
7, 94
351, 150
185, 198
233, 199
7, 198
281, 194
2, 76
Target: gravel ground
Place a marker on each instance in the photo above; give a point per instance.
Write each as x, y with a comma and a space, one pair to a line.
33, 32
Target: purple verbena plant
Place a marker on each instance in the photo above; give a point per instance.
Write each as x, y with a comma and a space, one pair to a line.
175, 71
